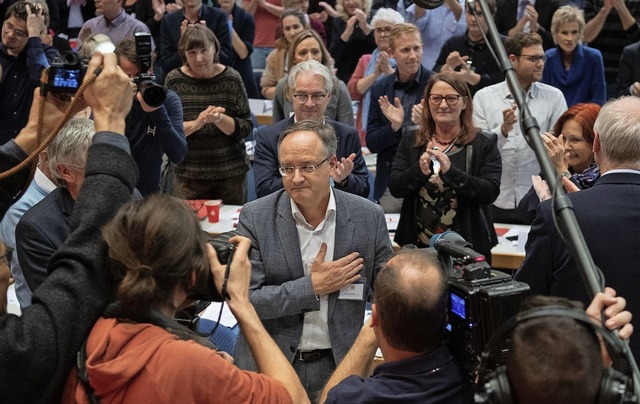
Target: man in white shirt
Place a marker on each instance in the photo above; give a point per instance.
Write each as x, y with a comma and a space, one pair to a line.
494, 109
315, 253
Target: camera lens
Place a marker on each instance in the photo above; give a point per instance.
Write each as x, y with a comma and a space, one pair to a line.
152, 93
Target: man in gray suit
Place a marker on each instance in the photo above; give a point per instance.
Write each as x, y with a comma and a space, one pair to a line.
315, 253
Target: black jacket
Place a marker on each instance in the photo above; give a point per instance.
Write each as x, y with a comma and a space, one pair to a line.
475, 187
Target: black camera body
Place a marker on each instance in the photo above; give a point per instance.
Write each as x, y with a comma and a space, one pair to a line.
224, 250
480, 299
152, 93
477, 309
66, 73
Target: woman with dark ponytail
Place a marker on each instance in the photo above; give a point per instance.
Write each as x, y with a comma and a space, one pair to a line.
137, 353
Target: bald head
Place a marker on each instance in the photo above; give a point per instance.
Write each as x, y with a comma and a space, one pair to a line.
618, 134
411, 299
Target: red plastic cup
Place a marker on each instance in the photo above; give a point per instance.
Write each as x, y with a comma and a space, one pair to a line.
213, 210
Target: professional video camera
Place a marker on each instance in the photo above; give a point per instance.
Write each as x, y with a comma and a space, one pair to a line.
480, 299
66, 73
152, 93
224, 250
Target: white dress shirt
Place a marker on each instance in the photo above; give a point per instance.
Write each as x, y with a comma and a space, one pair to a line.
315, 330
519, 162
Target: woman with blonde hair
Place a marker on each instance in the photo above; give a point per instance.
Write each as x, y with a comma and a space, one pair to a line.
351, 36
575, 69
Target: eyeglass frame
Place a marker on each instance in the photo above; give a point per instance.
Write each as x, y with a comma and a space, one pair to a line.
535, 58
444, 97
17, 33
304, 169
382, 30
315, 97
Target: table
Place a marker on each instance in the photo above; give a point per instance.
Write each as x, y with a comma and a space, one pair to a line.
262, 109
509, 253
228, 220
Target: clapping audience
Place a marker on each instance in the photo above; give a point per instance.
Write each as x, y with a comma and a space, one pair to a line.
432, 161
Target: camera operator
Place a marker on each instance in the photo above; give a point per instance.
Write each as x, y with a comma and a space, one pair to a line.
408, 320
136, 353
152, 130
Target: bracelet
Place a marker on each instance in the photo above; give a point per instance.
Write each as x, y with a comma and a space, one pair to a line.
218, 119
566, 174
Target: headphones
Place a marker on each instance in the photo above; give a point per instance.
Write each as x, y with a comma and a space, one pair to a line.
493, 385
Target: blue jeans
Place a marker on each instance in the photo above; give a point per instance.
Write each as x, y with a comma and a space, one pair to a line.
259, 57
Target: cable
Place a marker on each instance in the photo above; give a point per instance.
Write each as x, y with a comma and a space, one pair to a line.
67, 115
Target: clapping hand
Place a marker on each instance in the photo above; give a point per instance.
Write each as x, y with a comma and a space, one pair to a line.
394, 113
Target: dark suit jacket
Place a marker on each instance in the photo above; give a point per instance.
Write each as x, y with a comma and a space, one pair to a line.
507, 12
216, 21
609, 218
628, 69
40, 232
279, 289
266, 164
380, 138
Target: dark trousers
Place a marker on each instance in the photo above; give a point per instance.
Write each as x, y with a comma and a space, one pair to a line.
232, 191
499, 215
314, 375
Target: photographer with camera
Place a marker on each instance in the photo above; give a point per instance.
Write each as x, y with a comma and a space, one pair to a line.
23, 56
39, 348
136, 353
155, 124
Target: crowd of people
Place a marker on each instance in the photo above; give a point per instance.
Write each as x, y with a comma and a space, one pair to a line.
104, 252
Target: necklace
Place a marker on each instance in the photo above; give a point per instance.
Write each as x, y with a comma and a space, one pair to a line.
435, 137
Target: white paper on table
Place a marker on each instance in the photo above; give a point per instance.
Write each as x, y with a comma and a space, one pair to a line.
213, 311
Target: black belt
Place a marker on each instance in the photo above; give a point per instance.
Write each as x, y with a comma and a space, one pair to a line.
312, 356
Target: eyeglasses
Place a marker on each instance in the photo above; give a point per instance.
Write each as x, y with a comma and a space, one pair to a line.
305, 169
316, 98
535, 58
451, 99
17, 33
385, 30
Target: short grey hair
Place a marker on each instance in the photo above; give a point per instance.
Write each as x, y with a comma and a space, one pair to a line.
387, 15
70, 146
325, 132
618, 127
313, 67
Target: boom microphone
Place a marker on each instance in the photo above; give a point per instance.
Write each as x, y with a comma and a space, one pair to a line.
429, 4
454, 245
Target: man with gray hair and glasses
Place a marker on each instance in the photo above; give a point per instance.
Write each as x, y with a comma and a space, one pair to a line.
44, 227
61, 150
315, 252
311, 86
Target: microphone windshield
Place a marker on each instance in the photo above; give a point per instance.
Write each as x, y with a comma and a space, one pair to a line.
429, 4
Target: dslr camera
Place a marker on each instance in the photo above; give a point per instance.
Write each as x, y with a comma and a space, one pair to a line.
224, 250
66, 73
152, 93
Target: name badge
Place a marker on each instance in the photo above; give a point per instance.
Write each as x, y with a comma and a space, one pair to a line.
354, 291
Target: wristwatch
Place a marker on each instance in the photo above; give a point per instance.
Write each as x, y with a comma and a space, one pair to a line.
566, 174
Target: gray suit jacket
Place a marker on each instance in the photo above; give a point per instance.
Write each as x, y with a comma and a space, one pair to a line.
279, 289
